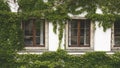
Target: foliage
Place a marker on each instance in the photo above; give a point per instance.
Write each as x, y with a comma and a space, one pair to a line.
11, 37
61, 59
96, 60
4, 6
57, 11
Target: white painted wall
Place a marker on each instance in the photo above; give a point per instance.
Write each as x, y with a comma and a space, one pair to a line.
102, 40
13, 5
53, 39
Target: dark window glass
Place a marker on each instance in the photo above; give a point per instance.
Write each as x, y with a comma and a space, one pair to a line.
117, 33
34, 32
79, 33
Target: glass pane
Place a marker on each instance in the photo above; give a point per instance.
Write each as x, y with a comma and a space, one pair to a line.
28, 28
117, 24
82, 24
74, 32
74, 23
84, 30
84, 41
81, 32
87, 40
38, 40
85, 24
74, 41
28, 40
117, 32
88, 24
69, 36
117, 40
88, 32
81, 40
39, 26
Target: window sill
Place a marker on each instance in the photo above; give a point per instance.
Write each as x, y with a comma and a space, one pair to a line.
115, 49
79, 50
33, 50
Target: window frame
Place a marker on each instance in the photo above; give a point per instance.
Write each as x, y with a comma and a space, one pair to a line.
34, 33
80, 49
113, 46
78, 34
39, 48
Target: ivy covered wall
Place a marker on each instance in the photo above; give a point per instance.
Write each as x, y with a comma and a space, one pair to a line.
57, 11
11, 37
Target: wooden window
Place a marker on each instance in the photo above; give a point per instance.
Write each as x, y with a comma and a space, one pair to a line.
79, 33
34, 33
117, 34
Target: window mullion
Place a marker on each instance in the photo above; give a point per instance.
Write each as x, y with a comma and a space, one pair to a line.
41, 33
34, 33
78, 33
85, 35
69, 33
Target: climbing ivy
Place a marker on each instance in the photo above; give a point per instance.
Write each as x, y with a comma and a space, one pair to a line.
56, 11
11, 38
4, 6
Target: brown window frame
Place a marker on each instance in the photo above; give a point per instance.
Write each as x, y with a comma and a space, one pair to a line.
116, 45
34, 33
78, 34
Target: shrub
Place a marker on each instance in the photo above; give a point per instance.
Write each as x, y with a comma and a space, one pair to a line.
60, 59
115, 62
11, 39
96, 60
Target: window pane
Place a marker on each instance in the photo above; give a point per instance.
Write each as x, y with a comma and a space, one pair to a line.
34, 32
80, 32
87, 40
74, 23
28, 40
85, 24
82, 24
117, 41
117, 33
82, 40
28, 35
74, 32
117, 24
84, 32
39, 32
38, 40
74, 41
28, 28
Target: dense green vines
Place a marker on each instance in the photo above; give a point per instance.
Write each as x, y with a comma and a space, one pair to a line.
57, 11
11, 37
10, 32
4, 6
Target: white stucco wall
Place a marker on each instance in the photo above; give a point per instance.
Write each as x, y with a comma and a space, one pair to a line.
13, 5
102, 40
53, 39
